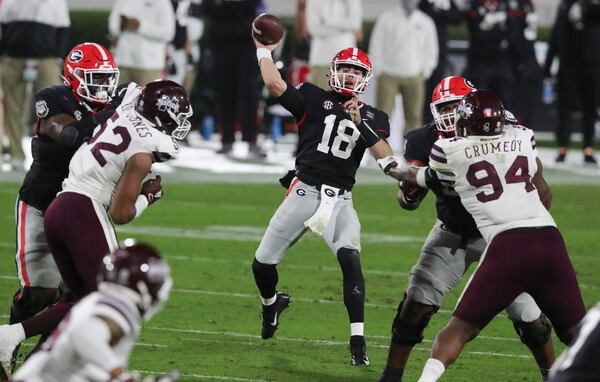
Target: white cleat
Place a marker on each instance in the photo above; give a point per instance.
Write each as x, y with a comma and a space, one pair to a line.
10, 337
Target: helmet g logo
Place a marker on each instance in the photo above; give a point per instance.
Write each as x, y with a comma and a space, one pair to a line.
76, 56
165, 103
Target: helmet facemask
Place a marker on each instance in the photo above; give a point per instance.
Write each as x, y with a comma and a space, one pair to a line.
150, 305
96, 85
357, 83
444, 115
179, 127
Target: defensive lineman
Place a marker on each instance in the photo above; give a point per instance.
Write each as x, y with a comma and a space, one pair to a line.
105, 186
453, 244
335, 129
496, 171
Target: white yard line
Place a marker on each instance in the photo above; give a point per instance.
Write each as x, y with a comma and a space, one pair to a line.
202, 376
316, 342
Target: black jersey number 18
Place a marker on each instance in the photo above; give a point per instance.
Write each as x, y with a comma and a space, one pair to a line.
346, 133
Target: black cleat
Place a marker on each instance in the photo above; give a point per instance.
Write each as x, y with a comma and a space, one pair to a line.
271, 314
358, 351
560, 158
590, 159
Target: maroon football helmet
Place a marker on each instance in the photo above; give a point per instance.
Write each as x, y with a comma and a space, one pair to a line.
167, 105
480, 113
139, 268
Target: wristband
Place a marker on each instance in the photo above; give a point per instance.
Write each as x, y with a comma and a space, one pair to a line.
141, 204
387, 163
421, 182
263, 53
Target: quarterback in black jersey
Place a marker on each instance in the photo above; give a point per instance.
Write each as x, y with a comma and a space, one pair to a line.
66, 116
453, 244
335, 129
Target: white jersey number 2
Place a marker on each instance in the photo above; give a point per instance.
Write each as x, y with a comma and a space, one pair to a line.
342, 136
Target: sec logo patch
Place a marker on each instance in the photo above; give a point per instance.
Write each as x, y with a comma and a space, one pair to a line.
41, 109
328, 105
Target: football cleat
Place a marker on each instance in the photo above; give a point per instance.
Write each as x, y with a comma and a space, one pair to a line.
272, 313
358, 351
9, 340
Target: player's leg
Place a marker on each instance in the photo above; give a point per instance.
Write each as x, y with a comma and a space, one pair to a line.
343, 237
444, 258
36, 268
534, 329
226, 95
554, 287
285, 228
502, 264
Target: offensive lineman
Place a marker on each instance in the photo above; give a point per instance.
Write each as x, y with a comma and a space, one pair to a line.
495, 170
452, 245
66, 116
335, 129
106, 185
96, 339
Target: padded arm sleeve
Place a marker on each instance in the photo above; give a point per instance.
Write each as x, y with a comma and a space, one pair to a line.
91, 340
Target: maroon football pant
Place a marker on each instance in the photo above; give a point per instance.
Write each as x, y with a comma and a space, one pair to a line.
532, 260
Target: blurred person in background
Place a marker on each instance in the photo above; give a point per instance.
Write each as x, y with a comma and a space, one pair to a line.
527, 92
35, 35
333, 25
141, 29
179, 49
235, 70
404, 50
489, 63
195, 28
443, 13
575, 40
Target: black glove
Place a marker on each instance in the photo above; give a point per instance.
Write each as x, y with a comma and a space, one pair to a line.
286, 180
152, 189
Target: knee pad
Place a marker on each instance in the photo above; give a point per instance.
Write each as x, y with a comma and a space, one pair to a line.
29, 301
411, 320
534, 334
349, 260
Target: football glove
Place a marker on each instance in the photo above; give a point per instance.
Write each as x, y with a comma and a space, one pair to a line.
152, 189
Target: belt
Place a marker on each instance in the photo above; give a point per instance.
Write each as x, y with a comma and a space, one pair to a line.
318, 186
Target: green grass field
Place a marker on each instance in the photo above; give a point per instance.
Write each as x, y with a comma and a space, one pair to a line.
211, 325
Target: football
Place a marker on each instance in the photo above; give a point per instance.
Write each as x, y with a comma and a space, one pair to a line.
267, 29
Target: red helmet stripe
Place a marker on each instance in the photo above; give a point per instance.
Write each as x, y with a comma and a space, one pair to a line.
101, 50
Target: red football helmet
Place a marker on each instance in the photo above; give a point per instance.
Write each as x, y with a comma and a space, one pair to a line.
136, 270
91, 72
348, 83
480, 113
167, 105
450, 90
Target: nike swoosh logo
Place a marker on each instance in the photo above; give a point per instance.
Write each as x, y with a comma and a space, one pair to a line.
274, 323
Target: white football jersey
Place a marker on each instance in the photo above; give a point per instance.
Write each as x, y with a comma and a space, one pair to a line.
59, 360
493, 176
97, 166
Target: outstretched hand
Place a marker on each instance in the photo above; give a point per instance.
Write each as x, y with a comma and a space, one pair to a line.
352, 108
405, 174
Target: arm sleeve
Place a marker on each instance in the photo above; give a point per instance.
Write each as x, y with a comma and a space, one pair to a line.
294, 100
163, 30
91, 341
368, 133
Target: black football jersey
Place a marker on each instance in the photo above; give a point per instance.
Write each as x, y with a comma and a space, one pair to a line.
450, 211
330, 146
50, 159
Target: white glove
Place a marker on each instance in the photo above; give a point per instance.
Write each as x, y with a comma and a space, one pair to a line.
320, 219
